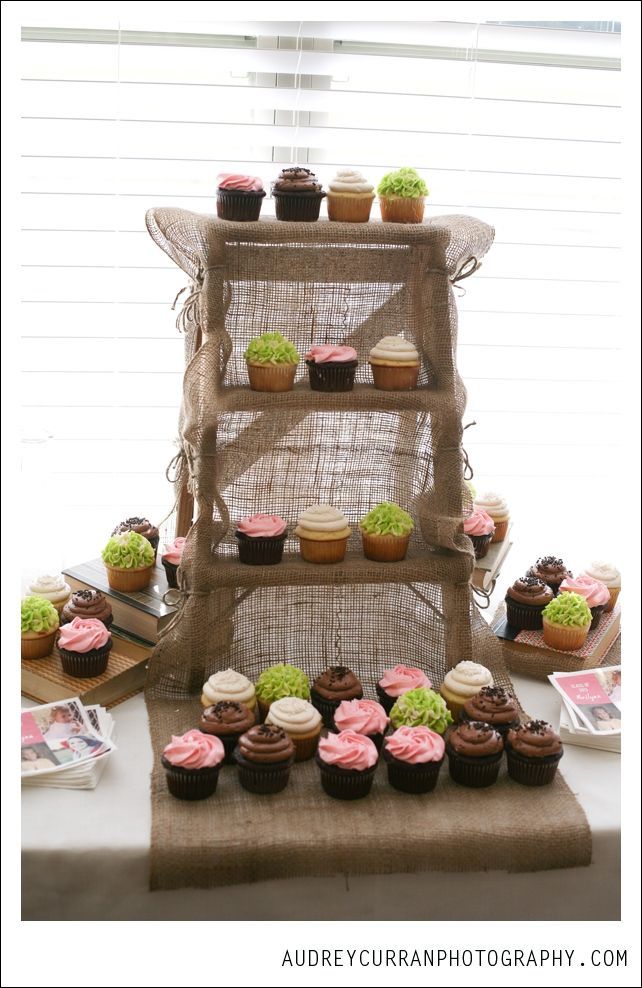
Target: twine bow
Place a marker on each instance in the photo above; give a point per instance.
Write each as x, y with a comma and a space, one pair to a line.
468, 268
188, 316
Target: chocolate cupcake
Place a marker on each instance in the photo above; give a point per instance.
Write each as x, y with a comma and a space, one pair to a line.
87, 604
495, 706
191, 764
337, 683
551, 571
414, 756
348, 762
264, 756
239, 197
397, 681
474, 752
525, 601
331, 368
261, 539
480, 529
84, 646
297, 195
143, 526
533, 752
595, 593
227, 720
171, 560
365, 717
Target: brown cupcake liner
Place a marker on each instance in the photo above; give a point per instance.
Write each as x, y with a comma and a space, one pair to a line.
405, 777
129, 580
343, 783
190, 783
271, 377
481, 544
501, 528
323, 551
615, 593
385, 548
532, 771
396, 209
304, 746
171, 571
325, 707
526, 617
349, 209
39, 647
239, 207
85, 665
262, 708
297, 208
596, 615
262, 779
387, 377
333, 376
260, 551
562, 637
475, 773
387, 702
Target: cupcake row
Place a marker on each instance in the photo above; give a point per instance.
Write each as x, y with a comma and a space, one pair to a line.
272, 360
298, 195
565, 608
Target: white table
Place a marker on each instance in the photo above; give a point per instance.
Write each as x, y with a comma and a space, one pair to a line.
86, 854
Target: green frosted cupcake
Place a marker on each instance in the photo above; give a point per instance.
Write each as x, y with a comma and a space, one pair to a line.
401, 196
38, 626
271, 362
566, 622
386, 533
421, 707
129, 561
280, 681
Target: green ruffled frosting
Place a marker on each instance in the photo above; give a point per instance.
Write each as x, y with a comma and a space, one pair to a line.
272, 348
405, 183
387, 519
282, 680
569, 609
421, 708
128, 551
38, 614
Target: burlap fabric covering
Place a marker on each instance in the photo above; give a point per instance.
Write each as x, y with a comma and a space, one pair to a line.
243, 452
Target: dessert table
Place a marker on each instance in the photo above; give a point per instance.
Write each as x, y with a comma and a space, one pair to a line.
86, 855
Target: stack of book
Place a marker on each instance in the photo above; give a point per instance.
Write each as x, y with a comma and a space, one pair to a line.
488, 569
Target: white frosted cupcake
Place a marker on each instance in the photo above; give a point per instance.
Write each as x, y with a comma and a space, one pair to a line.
323, 533
607, 574
350, 197
462, 682
300, 721
228, 685
395, 364
495, 506
53, 588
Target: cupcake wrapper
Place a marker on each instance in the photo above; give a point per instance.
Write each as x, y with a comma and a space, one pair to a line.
502, 729
305, 747
563, 638
240, 207
501, 527
325, 707
400, 210
475, 773
341, 783
295, 208
532, 771
271, 377
387, 702
85, 665
615, 593
38, 648
481, 544
332, 376
317, 551
129, 580
260, 551
455, 705
171, 571
390, 378
412, 778
596, 614
262, 779
349, 209
526, 617
194, 783
385, 548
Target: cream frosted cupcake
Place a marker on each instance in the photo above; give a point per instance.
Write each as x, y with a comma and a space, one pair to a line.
228, 685
395, 364
53, 588
462, 682
323, 532
495, 506
350, 197
300, 721
607, 574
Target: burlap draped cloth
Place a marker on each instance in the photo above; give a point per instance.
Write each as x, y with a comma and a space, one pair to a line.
245, 451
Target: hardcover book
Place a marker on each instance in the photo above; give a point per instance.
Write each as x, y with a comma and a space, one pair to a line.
488, 569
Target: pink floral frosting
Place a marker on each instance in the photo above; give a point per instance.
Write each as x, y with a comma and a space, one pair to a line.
239, 183
325, 354
83, 635
479, 523
195, 750
174, 551
262, 526
348, 750
399, 680
362, 716
595, 593
416, 745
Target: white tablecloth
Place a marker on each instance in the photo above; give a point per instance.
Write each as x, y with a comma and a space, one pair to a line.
86, 855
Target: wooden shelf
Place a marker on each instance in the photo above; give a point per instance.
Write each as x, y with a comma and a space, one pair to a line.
303, 399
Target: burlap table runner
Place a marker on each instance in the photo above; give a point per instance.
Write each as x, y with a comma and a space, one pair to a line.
243, 452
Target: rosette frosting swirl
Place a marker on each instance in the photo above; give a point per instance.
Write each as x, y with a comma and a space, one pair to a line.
194, 750
349, 181
479, 523
394, 350
228, 685
338, 683
605, 572
467, 678
493, 504
174, 551
322, 518
83, 635
402, 678
475, 739
266, 744
362, 716
416, 745
294, 715
262, 526
51, 586
595, 593
230, 182
326, 353
348, 750
537, 739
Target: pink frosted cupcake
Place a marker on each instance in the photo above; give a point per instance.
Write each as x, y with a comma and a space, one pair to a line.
480, 528
607, 574
397, 681
595, 593
261, 539
239, 197
191, 764
171, 560
331, 368
414, 756
84, 646
365, 717
348, 762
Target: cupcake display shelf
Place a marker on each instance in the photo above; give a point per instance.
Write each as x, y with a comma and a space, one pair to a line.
302, 398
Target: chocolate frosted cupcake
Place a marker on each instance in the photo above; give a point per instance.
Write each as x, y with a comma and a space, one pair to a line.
525, 601
143, 526
264, 756
297, 195
87, 604
414, 756
495, 706
328, 690
551, 571
474, 752
348, 762
533, 752
191, 764
227, 720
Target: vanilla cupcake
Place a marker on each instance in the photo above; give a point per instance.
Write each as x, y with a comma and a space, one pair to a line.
53, 588
495, 506
350, 197
607, 574
462, 682
228, 685
300, 721
395, 364
323, 532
